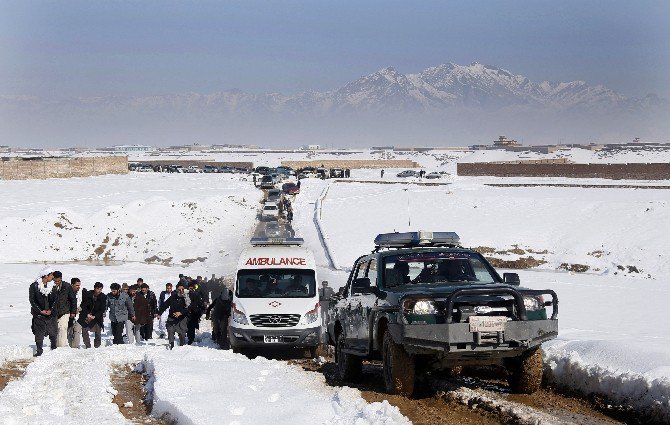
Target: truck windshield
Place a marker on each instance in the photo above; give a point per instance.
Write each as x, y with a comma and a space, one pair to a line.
275, 283
436, 268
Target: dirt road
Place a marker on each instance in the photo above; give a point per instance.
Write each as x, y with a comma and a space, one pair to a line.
484, 399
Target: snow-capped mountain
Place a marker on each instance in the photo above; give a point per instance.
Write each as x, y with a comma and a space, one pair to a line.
444, 86
460, 102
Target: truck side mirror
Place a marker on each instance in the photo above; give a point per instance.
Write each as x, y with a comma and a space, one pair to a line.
362, 285
511, 279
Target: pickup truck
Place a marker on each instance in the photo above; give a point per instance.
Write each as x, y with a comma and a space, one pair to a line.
421, 303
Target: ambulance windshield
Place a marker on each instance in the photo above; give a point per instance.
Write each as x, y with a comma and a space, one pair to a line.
275, 283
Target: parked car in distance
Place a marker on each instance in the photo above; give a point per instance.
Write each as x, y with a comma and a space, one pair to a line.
290, 188
267, 182
407, 173
270, 211
433, 175
274, 195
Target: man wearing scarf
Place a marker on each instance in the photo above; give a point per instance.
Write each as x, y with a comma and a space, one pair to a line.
42, 307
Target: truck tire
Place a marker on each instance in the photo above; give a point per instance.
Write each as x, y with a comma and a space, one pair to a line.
399, 368
525, 372
349, 366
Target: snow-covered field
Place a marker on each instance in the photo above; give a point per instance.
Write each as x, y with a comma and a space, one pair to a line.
614, 338
182, 217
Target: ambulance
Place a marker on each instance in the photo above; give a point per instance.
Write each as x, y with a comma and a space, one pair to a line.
276, 301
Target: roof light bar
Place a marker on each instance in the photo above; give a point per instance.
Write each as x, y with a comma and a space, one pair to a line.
421, 238
277, 241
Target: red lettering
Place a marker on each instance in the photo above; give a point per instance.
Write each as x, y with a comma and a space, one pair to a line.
283, 261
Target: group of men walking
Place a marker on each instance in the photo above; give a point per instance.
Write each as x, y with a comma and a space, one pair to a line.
66, 313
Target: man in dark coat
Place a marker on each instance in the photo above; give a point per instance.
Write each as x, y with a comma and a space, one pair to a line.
91, 317
221, 306
178, 304
42, 306
195, 310
147, 330
142, 312
164, 296
65, 308
120, 310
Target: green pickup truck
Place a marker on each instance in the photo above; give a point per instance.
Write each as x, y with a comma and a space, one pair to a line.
420, 303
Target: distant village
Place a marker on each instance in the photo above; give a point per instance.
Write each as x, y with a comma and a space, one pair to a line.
501, 143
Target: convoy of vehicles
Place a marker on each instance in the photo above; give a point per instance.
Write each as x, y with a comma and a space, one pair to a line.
420, 303
275, 301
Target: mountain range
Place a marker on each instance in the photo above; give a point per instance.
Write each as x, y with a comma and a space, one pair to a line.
448, 98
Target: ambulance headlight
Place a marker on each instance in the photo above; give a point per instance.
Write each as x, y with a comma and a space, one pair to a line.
311, 316
239, 317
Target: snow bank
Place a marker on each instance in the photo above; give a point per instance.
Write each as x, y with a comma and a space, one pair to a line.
66, 387
205, 386
647, 395
10, 353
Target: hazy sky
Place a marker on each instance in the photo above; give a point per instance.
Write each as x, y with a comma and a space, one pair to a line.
96, 48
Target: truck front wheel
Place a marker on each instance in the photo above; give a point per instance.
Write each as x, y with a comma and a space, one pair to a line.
525, 372
399, 368
349, 366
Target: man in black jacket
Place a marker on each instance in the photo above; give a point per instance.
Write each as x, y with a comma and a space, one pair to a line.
221, 306
147, 330
195, 310
178, 304
42, 304
65, 308
164, 296
92, 315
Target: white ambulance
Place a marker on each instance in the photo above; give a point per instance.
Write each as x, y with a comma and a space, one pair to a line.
276, 301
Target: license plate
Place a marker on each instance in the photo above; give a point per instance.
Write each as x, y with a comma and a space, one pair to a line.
487, 323
269, 339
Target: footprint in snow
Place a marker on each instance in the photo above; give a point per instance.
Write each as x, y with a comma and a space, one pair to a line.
237, 411
273, 398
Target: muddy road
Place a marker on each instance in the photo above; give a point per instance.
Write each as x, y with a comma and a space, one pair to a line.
479, 397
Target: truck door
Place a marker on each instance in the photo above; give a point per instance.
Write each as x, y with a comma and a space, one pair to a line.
366, 304
352, 310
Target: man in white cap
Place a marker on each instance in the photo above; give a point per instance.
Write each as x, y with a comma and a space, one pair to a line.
42, 303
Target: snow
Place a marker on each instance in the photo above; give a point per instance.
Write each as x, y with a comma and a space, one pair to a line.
605, 229
254, 391
69, 386
66, 387
613, 339
163, 217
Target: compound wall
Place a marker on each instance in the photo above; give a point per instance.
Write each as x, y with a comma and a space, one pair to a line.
199, 163
353, 163
633, 171
47, 168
